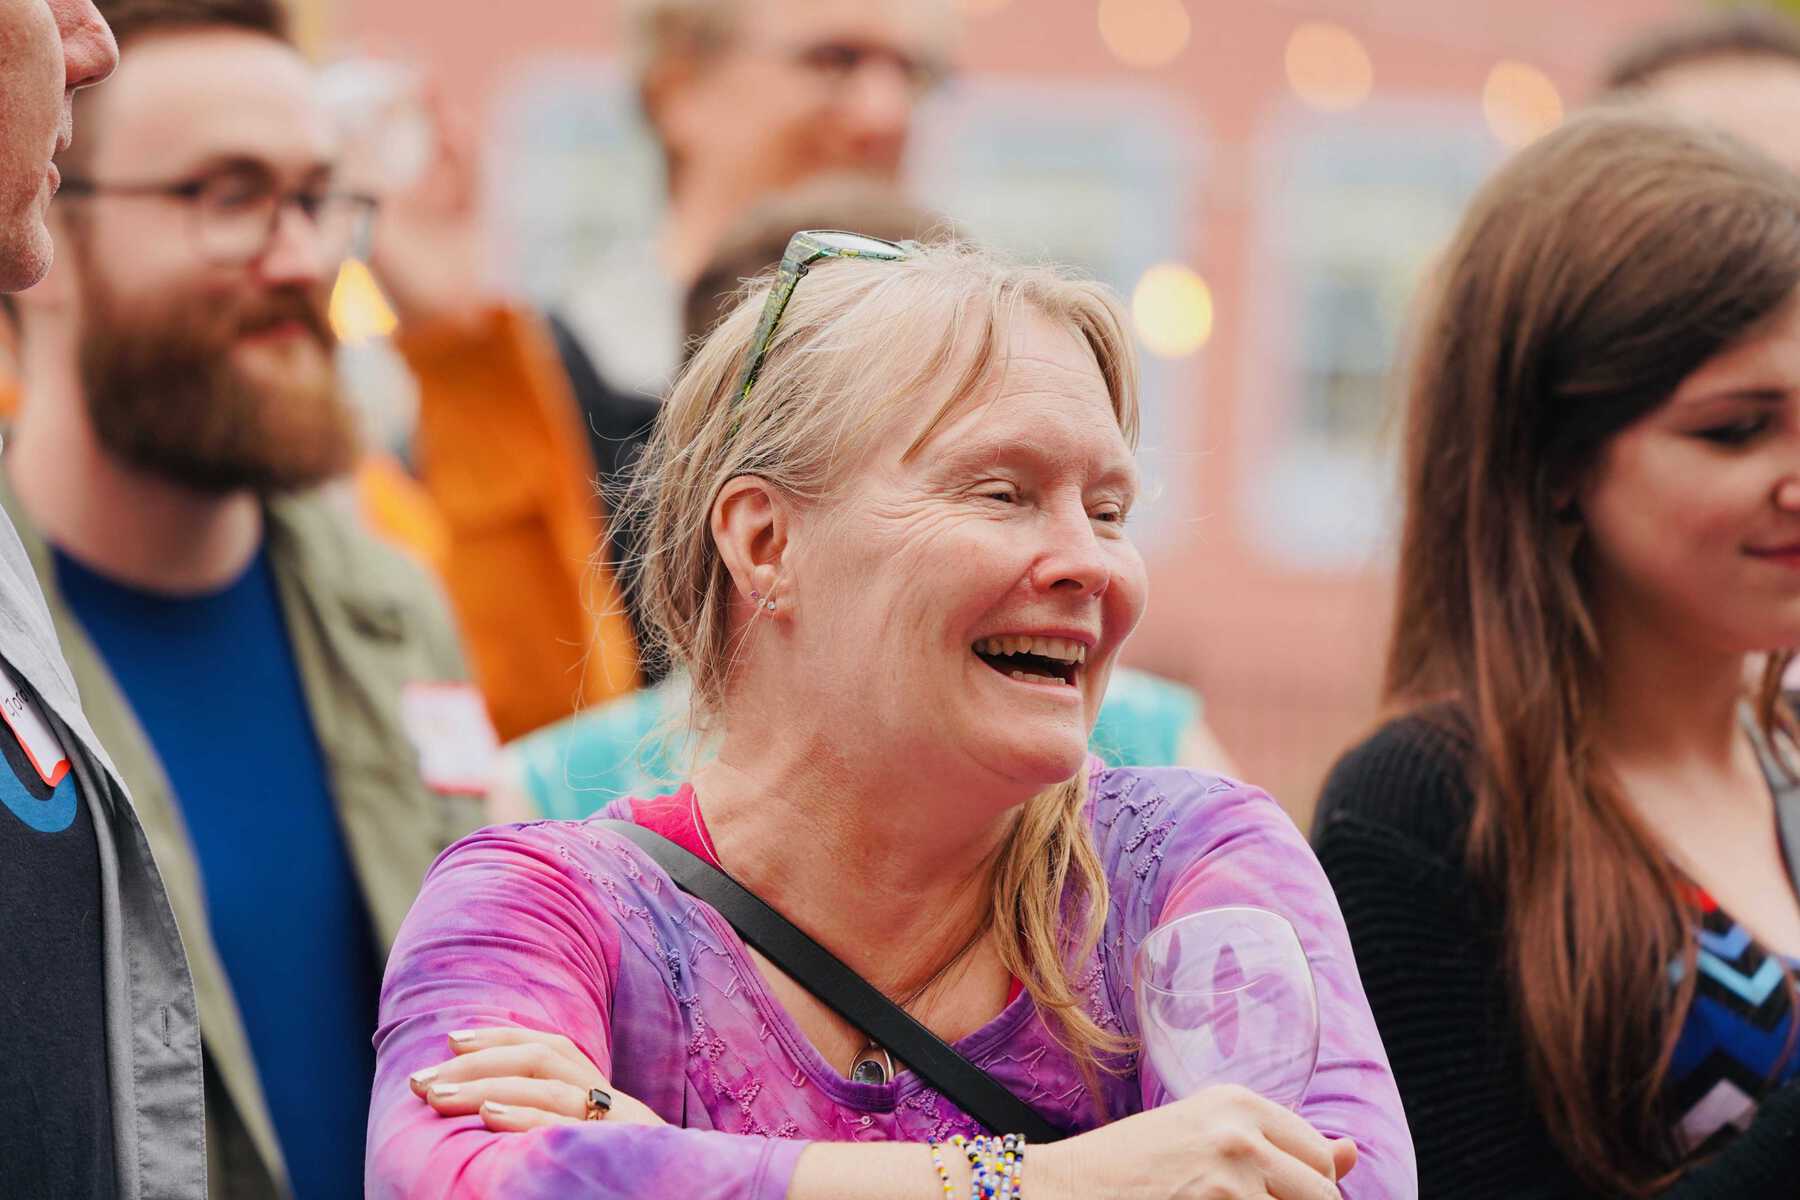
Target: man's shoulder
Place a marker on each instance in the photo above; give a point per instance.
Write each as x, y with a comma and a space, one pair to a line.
320, 536
360, 583
327, 531
28, 633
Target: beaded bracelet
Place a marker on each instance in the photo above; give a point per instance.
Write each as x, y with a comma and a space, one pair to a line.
997, 1166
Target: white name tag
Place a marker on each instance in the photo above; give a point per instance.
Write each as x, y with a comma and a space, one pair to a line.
448, 724
28, 725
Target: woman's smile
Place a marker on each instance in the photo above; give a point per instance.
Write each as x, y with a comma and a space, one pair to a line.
1042, 661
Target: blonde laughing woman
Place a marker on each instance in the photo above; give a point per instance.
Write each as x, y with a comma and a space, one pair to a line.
886, 518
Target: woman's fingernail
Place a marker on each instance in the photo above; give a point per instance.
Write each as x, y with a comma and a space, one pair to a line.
462, 1037
420, 1080
443, 1091
495, 1107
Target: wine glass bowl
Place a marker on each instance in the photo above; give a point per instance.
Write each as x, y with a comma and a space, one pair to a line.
1225, 996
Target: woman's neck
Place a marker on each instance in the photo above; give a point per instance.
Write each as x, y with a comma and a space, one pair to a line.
1666, 696
880, 868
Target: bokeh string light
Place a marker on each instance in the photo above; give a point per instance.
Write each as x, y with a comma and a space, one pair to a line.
1172, 308
1328, 66
1145, 33
1520, 102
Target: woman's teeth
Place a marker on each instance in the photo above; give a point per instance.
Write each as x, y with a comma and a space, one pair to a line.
1028, 677
1060, 649
1041, 660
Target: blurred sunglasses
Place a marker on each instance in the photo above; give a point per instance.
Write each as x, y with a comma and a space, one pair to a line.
803, 250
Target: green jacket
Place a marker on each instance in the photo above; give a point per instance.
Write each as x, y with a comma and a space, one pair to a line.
365, 622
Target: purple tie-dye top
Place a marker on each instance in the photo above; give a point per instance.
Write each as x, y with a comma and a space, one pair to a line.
566, 927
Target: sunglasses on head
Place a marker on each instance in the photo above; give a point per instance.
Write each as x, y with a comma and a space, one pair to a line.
805, 248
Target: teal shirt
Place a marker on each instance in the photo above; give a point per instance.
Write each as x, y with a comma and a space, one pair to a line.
635, 746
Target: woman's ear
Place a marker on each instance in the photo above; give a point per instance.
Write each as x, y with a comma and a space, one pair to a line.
750, 524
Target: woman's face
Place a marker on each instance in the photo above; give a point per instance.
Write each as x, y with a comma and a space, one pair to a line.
963, 606
1693, 512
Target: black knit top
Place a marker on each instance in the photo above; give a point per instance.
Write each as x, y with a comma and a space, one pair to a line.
1390, 832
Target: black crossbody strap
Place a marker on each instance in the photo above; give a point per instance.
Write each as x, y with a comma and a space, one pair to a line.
842, 990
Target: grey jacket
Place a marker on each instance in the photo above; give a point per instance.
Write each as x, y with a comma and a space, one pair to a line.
364, 622
152, 1020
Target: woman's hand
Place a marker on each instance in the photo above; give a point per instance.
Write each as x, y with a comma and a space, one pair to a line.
519, 1079
1226, 1143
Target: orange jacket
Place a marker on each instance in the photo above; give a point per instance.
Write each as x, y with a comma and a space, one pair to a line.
501, 454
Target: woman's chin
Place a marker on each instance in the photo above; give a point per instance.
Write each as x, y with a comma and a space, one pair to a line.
1040, 763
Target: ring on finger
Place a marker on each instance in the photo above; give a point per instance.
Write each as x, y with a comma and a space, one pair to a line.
599, 1103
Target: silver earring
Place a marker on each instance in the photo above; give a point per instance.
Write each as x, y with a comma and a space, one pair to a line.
769, 604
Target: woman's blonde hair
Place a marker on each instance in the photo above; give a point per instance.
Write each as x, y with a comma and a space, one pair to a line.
861, 341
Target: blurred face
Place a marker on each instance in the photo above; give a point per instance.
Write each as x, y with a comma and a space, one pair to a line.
806, 86
969, 601
1693, 513
48, 49
1758, 99
205, 351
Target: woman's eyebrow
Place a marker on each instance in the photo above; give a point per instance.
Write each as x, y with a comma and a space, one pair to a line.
995, 452
1766, 396
979, 453
1121, 474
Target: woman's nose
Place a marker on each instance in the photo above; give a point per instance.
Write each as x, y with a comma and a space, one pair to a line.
1072, 559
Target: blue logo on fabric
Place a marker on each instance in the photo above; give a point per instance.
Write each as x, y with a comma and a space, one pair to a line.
37, 785
51, 815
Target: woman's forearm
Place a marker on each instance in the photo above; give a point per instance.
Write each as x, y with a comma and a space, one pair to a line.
903, 1171
874, 1171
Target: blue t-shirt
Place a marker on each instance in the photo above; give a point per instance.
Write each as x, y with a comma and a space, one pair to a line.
213, 681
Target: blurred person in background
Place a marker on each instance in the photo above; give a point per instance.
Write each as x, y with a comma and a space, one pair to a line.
100, 1039
1569, 864
635, 745
505, 452
1738, 69
747, 99
283, 694
893, 563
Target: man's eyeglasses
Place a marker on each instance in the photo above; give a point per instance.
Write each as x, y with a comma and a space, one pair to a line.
233, 216
838, 62
803, 250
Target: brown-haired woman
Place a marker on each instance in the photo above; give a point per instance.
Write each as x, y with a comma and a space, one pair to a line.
1561, 864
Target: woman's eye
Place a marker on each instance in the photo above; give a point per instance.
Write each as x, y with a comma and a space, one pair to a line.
1737, 432
1111, 516
1003, 495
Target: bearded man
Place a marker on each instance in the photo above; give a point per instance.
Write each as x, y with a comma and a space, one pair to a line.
285, 697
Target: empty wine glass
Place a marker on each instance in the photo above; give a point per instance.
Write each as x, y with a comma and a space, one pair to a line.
1226, 996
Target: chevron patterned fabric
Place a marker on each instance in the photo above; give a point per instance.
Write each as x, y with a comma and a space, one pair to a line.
1737, 1044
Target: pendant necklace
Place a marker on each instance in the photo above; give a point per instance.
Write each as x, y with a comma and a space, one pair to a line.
873, 1064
